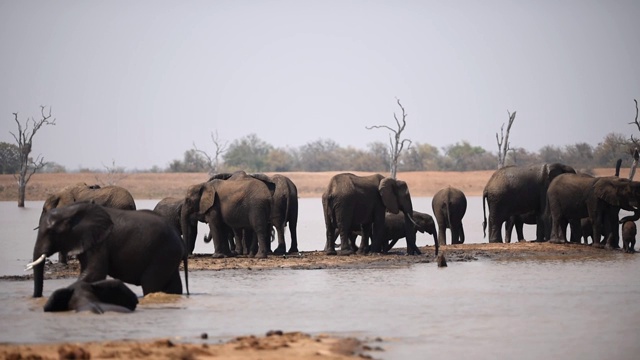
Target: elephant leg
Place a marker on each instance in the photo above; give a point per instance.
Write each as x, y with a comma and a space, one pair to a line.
495, 228
519, 230
282, 246
442, 233
390, 245
219, 235
331, 234
158, 277
461, 232
576, 232
455, 234
557, 231
62, 257
293, 231
364, 239
508, 228
261, 237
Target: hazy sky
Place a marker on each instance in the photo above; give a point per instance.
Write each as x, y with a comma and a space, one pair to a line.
138, 82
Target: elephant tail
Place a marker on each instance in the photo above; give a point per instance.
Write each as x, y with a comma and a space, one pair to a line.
484, 215
447, 203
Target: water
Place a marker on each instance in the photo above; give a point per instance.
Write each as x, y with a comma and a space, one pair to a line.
485, 309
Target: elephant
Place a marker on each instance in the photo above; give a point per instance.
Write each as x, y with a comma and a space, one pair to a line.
518, 222
572, 197
138, 247
111, 196
97, 297
394, 229
229, 207
629, 232
514, 190
351, 201
170, 208
449, 206
284, 209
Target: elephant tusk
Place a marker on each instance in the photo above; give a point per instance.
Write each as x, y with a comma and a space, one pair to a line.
38, 261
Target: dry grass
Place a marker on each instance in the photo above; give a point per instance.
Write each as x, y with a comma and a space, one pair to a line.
160, 185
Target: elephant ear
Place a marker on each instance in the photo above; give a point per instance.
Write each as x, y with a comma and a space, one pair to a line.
388, 194
51, 203
207, 199
79, 227
609, 190
59, 300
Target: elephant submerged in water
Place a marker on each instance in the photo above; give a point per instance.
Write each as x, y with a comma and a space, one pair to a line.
97, 297
352, 201
138, 247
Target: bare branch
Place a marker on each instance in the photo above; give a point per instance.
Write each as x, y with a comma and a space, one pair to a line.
396, 144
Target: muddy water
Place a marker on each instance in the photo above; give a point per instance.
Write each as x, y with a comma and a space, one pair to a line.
482, 309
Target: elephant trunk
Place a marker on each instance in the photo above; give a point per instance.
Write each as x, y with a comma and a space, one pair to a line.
189, 231
38, 280
40, 253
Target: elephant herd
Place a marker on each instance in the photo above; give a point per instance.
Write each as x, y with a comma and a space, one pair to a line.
101, 226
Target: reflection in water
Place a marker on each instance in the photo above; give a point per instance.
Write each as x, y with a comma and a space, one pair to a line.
524, 309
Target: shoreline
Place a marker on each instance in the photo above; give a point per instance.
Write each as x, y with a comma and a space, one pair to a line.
145, 186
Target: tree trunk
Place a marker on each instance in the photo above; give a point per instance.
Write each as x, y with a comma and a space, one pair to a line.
21, 194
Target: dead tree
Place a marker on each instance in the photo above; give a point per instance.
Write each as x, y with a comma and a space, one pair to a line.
112, 175
636, 146
213, 162
396, 144
503, 141
28, 166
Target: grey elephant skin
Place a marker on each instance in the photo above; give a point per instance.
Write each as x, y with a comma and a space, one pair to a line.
572, 197
241, 206
352, 201
517, 222
111, 196
449, 206
170, 208
138, 247
394, 229
284, 210
629, 232
97, 297
516, 190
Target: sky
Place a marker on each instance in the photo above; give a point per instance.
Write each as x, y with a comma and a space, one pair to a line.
137, 83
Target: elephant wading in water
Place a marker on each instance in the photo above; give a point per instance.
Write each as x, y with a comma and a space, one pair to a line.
351, 201
97, 297
137, 247
239, 206
516, 190
449, 206
572, 197
110, 196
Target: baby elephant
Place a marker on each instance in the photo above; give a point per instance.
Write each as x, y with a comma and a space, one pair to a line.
629, 232
449, 206
97, 297
394, 229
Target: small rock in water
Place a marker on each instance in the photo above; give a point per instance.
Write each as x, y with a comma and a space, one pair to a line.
442, 262
274, 332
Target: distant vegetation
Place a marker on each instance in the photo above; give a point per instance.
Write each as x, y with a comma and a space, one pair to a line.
252, 154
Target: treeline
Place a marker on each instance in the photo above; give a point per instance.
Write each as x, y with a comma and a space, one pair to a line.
252, 154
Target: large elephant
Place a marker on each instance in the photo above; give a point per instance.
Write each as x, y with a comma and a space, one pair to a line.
284, 210
240, 206
137, 247
516, 190
449, 206
572, 197
351, 201
97, 297
111, 196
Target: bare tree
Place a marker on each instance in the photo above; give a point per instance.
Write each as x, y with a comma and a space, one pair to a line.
29, 166
503, 141
636, 144
112, 175
213, 162
396, 144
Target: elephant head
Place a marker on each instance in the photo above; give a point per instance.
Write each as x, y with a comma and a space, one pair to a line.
73, 229
396, 197
191, 213
97, 297
618, 192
